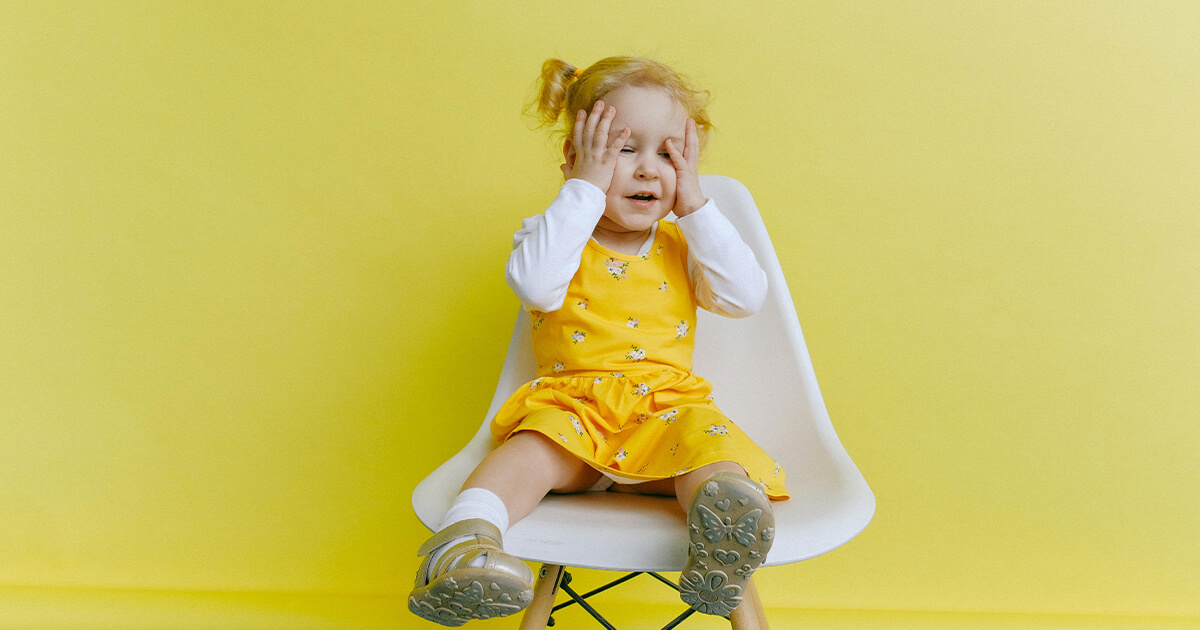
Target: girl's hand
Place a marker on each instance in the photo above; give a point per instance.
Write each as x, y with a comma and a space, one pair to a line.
688, 197
595, 157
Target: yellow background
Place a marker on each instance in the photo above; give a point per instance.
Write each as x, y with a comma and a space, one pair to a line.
251, 268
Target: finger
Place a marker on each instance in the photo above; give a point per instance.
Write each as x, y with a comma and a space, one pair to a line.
601, 139
577, 132
619, 142
691, 143
593, 119
676, 158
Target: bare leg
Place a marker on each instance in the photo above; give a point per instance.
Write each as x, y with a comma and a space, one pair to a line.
524, 469
686, 484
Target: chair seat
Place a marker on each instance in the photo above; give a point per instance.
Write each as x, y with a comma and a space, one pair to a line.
629, 532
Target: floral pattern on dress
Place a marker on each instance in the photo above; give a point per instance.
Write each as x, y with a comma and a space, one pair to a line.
593, 342
616, 268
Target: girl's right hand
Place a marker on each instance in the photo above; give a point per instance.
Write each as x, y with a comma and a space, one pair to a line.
595, 157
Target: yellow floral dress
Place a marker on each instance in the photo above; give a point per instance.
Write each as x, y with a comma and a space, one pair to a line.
614, 383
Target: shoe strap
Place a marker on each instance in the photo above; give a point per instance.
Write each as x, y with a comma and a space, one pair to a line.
461, 555
470, 527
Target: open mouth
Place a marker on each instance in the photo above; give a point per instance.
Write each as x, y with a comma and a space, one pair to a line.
643, 197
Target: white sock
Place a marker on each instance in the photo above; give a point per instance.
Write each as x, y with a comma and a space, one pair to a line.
472, 503
477, 503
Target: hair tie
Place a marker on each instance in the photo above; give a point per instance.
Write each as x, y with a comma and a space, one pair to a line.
576, 73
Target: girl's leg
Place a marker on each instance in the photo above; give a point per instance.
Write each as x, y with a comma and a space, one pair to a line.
730, 528
525, 468
481, 581
686, 484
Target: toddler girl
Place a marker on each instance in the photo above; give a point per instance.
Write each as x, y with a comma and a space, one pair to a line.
612, 290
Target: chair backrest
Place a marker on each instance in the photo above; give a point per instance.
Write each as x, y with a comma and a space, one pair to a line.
763, 380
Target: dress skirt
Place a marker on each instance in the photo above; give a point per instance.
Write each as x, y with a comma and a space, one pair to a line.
636, 427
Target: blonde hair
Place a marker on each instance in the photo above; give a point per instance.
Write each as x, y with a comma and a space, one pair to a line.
564, 88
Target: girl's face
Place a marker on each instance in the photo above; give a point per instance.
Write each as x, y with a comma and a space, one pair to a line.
644, 166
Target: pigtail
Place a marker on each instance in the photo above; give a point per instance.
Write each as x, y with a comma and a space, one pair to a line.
556, 78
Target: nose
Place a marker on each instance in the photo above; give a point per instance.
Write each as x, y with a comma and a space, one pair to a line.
646, 167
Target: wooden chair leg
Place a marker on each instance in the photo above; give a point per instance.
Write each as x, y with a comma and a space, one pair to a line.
544, 593
750, 614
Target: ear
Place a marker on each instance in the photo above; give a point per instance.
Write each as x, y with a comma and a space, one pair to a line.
569, 157
569, 153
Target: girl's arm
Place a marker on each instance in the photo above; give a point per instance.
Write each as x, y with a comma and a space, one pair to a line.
726, 277
547, 249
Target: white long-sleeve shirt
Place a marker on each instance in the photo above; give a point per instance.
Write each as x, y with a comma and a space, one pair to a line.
726, 278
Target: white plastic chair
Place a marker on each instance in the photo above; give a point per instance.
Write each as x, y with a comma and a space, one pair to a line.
762, 378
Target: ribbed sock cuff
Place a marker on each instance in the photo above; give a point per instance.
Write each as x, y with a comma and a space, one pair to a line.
477, 503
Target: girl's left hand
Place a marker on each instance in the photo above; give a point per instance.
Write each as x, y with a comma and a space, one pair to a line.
688, 197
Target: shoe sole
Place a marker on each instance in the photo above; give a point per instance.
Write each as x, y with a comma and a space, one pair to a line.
730, 527
470, 593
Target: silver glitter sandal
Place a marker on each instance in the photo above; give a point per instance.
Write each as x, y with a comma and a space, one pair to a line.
453, 593
730, 526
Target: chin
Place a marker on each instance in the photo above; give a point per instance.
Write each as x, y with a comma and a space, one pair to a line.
640, 224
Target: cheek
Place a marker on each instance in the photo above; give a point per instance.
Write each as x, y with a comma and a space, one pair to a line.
668, 178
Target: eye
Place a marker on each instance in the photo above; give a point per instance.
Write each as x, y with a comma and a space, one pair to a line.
665, 154
626, 150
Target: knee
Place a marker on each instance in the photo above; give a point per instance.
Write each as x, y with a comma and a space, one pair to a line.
708, 470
